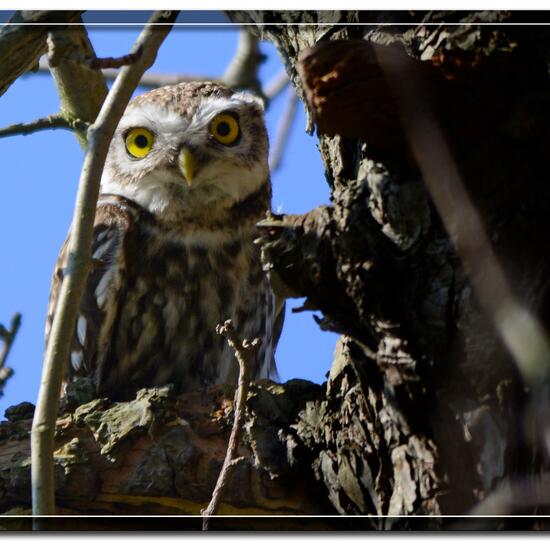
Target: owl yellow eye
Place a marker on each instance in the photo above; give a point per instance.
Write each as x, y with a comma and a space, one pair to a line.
225, 129
139, 141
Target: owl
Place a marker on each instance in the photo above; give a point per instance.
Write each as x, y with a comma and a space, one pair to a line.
185, 181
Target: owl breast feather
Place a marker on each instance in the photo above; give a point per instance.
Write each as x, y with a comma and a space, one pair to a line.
154, 298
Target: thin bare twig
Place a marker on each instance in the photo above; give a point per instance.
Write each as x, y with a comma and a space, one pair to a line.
51, 122
63, 48
242, 72
275, 86
113, 62
8, 337
283, 130
5, 374
148, 80
245, 352
79, 248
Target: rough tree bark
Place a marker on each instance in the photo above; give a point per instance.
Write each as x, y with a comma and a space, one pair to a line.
161, 454
424, 412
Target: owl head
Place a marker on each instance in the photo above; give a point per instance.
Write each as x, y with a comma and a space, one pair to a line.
189, 150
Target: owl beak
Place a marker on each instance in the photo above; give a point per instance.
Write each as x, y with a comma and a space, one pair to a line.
188, 165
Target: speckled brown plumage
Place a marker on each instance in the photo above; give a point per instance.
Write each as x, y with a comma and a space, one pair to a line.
171, 259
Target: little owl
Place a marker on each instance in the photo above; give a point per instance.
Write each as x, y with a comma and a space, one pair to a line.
185, 182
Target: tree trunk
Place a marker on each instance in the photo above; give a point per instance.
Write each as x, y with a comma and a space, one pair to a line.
424, 410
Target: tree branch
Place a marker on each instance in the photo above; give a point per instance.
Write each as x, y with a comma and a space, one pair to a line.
148, 80
8, 336
242, 72
283, 130
5, 374
244, 352
239, 75
51, 122
80, 242
111, 62
22, 44
82, 89
275, 86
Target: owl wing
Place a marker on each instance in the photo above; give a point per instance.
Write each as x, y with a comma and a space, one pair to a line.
99, 304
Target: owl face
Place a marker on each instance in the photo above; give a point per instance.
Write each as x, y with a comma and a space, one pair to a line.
189, 148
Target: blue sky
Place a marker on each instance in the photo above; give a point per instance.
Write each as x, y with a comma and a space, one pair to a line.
38, 185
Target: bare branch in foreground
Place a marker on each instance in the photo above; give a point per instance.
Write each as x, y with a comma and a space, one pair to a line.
8, 336
244, 352
79, 248
51, 122
64, 46
283, 130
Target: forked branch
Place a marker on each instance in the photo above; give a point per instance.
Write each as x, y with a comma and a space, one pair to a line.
245, 352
